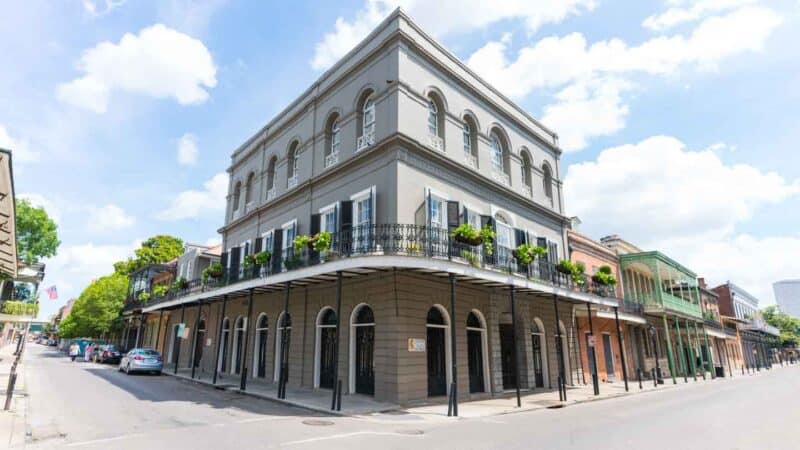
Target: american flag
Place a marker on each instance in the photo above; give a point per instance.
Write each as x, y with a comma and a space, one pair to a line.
52, 292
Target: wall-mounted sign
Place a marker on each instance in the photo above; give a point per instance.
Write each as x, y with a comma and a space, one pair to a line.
208, 342
416, 345
590, 339
180, 330
185, 334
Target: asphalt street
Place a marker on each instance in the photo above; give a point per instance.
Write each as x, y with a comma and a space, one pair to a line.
84, 405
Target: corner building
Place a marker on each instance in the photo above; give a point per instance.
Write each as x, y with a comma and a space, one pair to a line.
389, 150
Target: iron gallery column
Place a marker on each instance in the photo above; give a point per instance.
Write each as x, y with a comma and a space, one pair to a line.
562, 386
692, 358
139, 329
670, 354
452, 409
178, 340
710, 355
621, 348
336, 402
700, 351
243, 381
284, 344
194, 345
219, 338
682, 352
590, 349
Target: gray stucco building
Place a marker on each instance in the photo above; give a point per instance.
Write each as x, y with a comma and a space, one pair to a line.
389, 150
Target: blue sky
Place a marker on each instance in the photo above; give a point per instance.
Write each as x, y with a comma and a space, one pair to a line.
679, 119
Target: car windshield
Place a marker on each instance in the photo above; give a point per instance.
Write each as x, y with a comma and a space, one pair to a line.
148, 352
110, 348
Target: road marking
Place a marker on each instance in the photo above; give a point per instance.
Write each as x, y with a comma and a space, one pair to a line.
347, 435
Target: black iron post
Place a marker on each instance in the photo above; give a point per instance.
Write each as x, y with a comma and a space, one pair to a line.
337, 385
621, 348
639, 376
514, 337
243, 380
219, 338
195, 343
178, 340
139, 329
454, 353
654, 335
562, 389
590, 348
158, 330
284, 347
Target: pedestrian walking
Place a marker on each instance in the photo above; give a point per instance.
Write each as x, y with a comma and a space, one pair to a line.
74, 350
87, 355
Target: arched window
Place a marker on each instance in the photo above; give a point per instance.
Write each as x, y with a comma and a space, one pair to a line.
477, 353
470, 140
248, 188
437, 349
362, 350
500, 160
281, 344
260, 350
271, 177
539, 350
333, 140
224, 338
547, 180
325, 349
436, 110
433, 118
366, 123
238, 344
526, 172
237, 195
292, 166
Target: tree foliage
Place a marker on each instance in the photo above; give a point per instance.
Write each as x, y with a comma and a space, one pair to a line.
98, 308
20, 308
37, 234
788, 325
156, 250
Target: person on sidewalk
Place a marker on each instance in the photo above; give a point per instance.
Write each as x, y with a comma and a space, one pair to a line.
74, 350
87, 355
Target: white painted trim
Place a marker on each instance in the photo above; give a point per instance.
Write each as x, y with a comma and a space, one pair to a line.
351, 377
625, 317
363, 194
317, 342
512, 218
401, 262
289, 224
328, 208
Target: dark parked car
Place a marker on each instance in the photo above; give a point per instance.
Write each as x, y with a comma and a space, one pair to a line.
107, 354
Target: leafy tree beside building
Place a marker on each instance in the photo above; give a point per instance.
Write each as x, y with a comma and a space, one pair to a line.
37, 233
788, 325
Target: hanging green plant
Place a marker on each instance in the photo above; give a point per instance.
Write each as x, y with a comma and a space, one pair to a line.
303, 240
215, 270
565, 266
180, 284
144, 297
605, 276
467, 234
262, 257
160, 290
322, 242
488, 235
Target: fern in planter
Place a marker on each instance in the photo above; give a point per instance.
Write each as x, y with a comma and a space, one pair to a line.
215, 271
565, 266
525, 253
604, 276
160, 290
322, 242
488, 235
144, 297
180, 284
262, 257
466, 234
303, 240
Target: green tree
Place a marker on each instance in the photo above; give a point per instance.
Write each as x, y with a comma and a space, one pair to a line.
156, 250
98, 308
37, 234
788, 325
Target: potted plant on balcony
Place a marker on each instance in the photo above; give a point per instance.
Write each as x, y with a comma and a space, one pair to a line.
488, 235
303, 240
525, 253
321, 242
180, 284
249, 261
467, 234
262, 257
144, 297
578, 274
604, 276
160, 290
565, 266
215, 271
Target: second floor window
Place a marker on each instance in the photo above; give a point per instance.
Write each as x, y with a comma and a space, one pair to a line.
237, 194
433, 118
369, 117
547, 179
497, 154
292, 164
336, 137
467, 134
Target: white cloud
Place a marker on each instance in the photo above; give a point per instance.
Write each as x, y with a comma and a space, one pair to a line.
189, 16
159, 62
187, 150
193, 204
680, 14
96, 8
108, 218
585, 110
657, 190
21, 151
441, 18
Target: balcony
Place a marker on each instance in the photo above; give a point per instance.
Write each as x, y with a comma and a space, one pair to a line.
331, 159
501, 177
665, 302
291, 182
436, 142
411, 241
365, 140
271, 194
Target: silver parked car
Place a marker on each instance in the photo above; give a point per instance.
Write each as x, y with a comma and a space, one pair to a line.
142, 360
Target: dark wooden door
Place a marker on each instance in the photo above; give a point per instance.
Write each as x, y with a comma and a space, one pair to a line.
437, 371
538, 371
475, 360
327, 342
239, 357
262, 353
507, 356
199, 337
365, 367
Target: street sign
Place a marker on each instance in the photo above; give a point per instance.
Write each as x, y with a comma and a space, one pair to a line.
416, 345
179, 333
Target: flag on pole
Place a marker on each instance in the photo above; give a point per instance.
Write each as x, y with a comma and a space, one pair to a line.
52, 292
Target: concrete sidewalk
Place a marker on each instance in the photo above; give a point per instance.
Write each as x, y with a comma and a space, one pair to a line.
12, 422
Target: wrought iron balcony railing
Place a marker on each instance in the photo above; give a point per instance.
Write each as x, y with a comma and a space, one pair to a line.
396, 240
471, 161
271, 194
436, 142
291, 182
365, 140
331, 159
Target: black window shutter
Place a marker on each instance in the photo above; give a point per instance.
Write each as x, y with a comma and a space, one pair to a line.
552, 250
277, 256
223, 258
453, 220
315, 226
372, 206
520, 236
234, 265
346, 216
259, 245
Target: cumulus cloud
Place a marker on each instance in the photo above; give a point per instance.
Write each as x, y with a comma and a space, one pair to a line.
187, 150
159, 62
680, 12
21, 151
108, 218
97, 8
193, 204
669, 192
442, 18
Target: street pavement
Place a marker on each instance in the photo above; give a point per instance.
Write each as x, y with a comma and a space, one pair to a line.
84, 405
